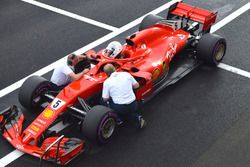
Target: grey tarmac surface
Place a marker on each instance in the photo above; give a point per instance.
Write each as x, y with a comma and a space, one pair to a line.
32, 38
202, 120
232, 149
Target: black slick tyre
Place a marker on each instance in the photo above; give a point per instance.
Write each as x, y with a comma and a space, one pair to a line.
31, 92
149, 21
99, 124
211, 49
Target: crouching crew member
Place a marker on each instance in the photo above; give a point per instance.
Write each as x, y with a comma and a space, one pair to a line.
118, 90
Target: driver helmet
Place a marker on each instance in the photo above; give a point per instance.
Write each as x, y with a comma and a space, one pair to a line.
114, 49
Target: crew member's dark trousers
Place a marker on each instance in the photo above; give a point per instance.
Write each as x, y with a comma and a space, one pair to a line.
127, 111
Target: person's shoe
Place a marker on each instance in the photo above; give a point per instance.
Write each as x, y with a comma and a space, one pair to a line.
119, 122
142, 123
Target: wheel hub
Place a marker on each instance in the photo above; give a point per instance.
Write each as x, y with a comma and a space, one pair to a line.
220, 52
108, 128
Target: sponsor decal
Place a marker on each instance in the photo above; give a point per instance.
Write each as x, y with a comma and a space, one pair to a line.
32, 132
41, 121
87, 77
57, 103
171, 51
181, 36
33, 127
37, 124
47, 114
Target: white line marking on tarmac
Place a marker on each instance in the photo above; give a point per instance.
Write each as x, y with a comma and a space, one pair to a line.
10, 158
230, 17
16, 154
72, 15
222, 23
234, 70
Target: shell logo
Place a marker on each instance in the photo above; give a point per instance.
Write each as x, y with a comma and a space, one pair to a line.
48, 114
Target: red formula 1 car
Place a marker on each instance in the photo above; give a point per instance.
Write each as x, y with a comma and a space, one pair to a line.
163, 51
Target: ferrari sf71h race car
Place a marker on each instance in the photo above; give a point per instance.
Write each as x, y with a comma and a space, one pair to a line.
160, 53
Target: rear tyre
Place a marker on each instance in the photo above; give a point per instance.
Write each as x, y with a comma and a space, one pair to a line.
99, 124
149, 21
31, 92
211, 49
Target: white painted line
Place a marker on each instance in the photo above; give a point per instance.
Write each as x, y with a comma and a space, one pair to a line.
16, 154
230, 17
234, 70
105, 38
72, 15
10, 158
222, 23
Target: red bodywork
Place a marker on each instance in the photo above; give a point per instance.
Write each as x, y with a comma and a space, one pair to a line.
147, 60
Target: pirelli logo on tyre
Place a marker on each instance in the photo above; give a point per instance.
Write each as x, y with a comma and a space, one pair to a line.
47, 114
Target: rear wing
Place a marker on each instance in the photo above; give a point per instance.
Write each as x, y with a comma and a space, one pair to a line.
205, 17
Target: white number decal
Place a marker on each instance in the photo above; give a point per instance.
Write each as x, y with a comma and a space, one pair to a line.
57, 103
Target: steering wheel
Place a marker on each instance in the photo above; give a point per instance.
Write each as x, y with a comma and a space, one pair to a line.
92, 60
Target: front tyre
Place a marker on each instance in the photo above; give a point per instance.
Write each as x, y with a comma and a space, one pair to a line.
31, 92
99, 124
211, 48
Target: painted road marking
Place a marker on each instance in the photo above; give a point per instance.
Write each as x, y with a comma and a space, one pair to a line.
16, 154
230, 17
10, 158
222, 23
72, 15
234, 70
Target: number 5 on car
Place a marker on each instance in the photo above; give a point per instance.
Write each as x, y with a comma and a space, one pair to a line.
57, 103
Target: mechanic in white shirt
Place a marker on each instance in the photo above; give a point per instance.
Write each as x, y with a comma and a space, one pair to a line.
118, 90
64, 73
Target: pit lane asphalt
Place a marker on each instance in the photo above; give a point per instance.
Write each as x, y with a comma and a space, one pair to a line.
189, 117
